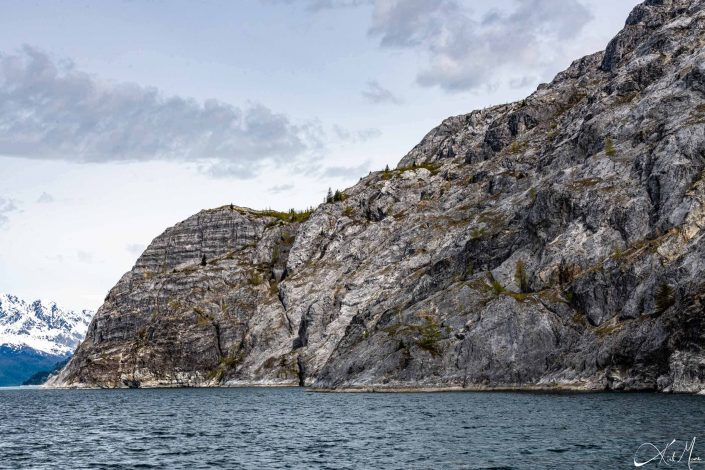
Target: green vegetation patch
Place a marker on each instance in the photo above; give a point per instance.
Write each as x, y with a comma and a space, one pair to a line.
497, 286
287, 217
518, 147
585, 183
477, 233
430, 336
254, 279
520, 276
202, 317
433, 168
227, 363
428, 333
608, 328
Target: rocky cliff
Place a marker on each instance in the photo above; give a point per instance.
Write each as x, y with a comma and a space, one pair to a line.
551, 242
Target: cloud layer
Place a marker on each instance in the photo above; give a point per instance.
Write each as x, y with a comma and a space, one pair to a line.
461, 50
52, 111
464, 52
377, 94
348, 171
317, 5
45, 198
6, 206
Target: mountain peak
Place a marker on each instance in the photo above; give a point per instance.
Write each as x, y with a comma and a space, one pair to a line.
42, 326
649, 29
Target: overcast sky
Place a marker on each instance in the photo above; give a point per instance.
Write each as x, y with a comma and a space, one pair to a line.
119, 119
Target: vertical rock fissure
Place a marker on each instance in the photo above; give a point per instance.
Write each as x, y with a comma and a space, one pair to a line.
302, 338
216, 327
301, 370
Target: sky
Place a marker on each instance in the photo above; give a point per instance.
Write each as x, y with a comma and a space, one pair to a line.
118, 119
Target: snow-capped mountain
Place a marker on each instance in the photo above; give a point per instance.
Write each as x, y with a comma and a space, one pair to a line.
41, 326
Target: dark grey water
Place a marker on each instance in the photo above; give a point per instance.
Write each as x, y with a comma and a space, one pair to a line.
290, 428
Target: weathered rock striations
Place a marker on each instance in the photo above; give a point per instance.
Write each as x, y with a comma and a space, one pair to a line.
554, 242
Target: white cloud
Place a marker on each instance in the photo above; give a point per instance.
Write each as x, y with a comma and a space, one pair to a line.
464, 52
347, 171
52, 111
368, 134
281, 188
84, 256
135, 249
362, 135
317, 5
45, 198
6, 206
377, 94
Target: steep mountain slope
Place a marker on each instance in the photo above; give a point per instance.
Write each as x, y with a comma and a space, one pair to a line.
552, 242
34, 336
19, 364
38, 378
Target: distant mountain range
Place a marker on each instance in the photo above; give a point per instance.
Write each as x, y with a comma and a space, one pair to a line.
35, 336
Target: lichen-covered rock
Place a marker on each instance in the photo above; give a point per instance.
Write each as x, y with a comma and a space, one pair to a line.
552, 242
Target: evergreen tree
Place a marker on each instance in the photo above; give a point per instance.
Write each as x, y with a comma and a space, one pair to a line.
520, 276
664, 298
203, 260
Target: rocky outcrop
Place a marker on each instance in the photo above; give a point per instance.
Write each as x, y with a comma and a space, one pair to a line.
553, 242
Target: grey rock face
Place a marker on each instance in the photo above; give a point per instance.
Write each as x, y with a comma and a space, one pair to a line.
554, 242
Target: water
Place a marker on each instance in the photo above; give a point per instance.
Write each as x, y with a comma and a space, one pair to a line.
291, 428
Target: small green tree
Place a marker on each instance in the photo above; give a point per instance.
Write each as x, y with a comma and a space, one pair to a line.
520, 276
338, 196
610, 150
496, 286
329, 196
386, 174
664, 298
469, 268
